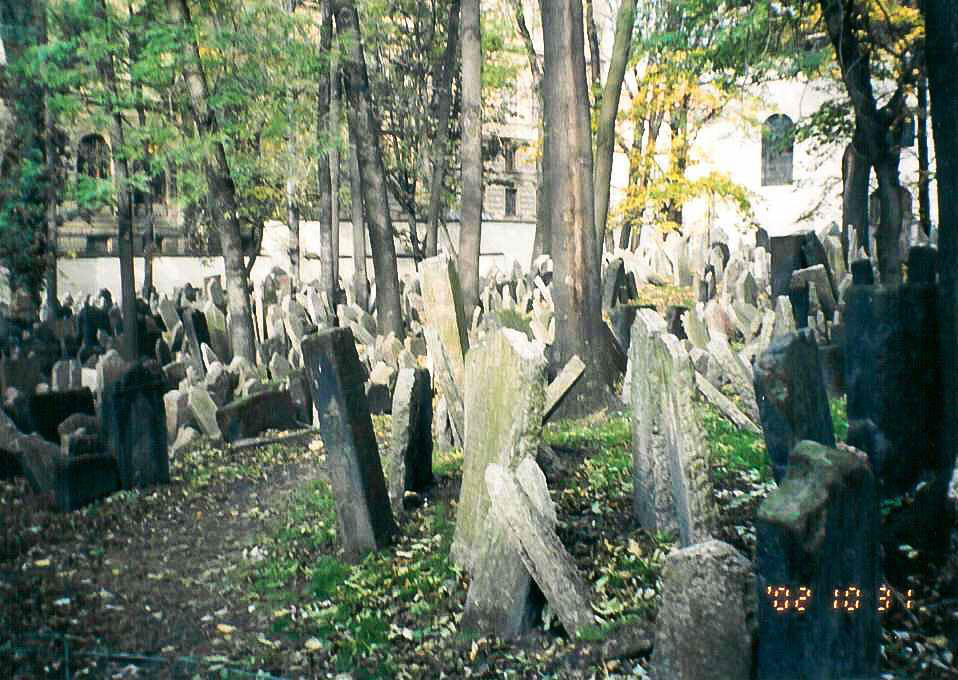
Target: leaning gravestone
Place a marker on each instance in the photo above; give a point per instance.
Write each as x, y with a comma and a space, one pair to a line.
817, 569
442, 300
355, 472
84, 473
705, 628
247, 417
791, 397
504, 402
410, 451
134, 426
196, 335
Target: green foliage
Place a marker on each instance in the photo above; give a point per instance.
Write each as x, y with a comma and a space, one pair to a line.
839, 418
514, 319
732, 448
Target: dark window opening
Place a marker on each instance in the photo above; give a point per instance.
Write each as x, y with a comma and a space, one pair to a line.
510, 155
778, 141
93, 157
510, 201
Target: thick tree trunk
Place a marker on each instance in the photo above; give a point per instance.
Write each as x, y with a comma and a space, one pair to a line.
360, 278
888, 233
470, 227
440, 152
576, 282
605, 134
222, 193
366, 129
324, 185
124, 208
941, 21
855, 172
51, 160
924, 194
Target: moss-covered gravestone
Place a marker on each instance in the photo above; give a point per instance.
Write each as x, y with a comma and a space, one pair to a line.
504, 403
442, 303
817, 569
336, 381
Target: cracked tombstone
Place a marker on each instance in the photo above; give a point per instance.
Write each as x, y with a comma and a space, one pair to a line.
817, 569
791, 396
442, 303
410, 452
504, 404
364, 517
706, 625
134, 426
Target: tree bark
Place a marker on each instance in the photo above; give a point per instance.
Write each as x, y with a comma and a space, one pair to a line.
941, 29
924, 195
470, 227
855, 172
335, 127
605, 134
440, 152
595, 58
360, 278
576, 283
124, 208
324, 188
222, 192
366, 129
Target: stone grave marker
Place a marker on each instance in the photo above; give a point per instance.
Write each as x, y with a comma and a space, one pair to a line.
410, 451
48, 410
247, 417
442, 301
817, 569
504, 402
791, 396
196, 334
335, 376
134, 426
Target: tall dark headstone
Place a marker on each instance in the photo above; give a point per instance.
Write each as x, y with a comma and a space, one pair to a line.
787, 256
196, 333
817, 571
336, 380
410, 455
862, 273
84, 473
134, 425
49, 409
791, 396
268, 410
613, 284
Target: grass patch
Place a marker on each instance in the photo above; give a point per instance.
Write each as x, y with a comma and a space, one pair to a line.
839, 411
514, 319
733, 449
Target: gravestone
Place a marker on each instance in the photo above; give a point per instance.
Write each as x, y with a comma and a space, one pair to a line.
84, 473
504, 404
613, 284
443, 375
134, 426
817, 572
705, 628
365, 519
66, 375
791, 396
247, 417
177, 406
620, 321
196, 334
203, 409
218, 330
442, 300
787, 256
410, 452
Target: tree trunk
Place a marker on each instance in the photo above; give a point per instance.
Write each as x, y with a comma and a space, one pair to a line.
440, 152
941, 28
855, 172
679, 127
470, 228
124, 208
51, 161
222, 193
924, 195
365, 126
324, 186
605, 134
360, 278
335, 128
576, 282
888, 234
595, 57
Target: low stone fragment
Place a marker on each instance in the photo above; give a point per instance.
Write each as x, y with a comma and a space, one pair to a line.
247, 417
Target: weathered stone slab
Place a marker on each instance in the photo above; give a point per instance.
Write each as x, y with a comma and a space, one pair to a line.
725, 405
736, 372
218, 331
196, 333
66, 375
82, 479
38, 458
786, 257
817, 569
365, 520
110, 368
705, 628
410, 452
247, 417
791, 397
531, 534
695, 329
204, 412
563, 383
443, 374
134, 426
442, 300
652, 483
817, 276
504, 402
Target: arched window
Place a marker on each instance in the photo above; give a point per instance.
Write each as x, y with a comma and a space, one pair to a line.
93, 157
778, 139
